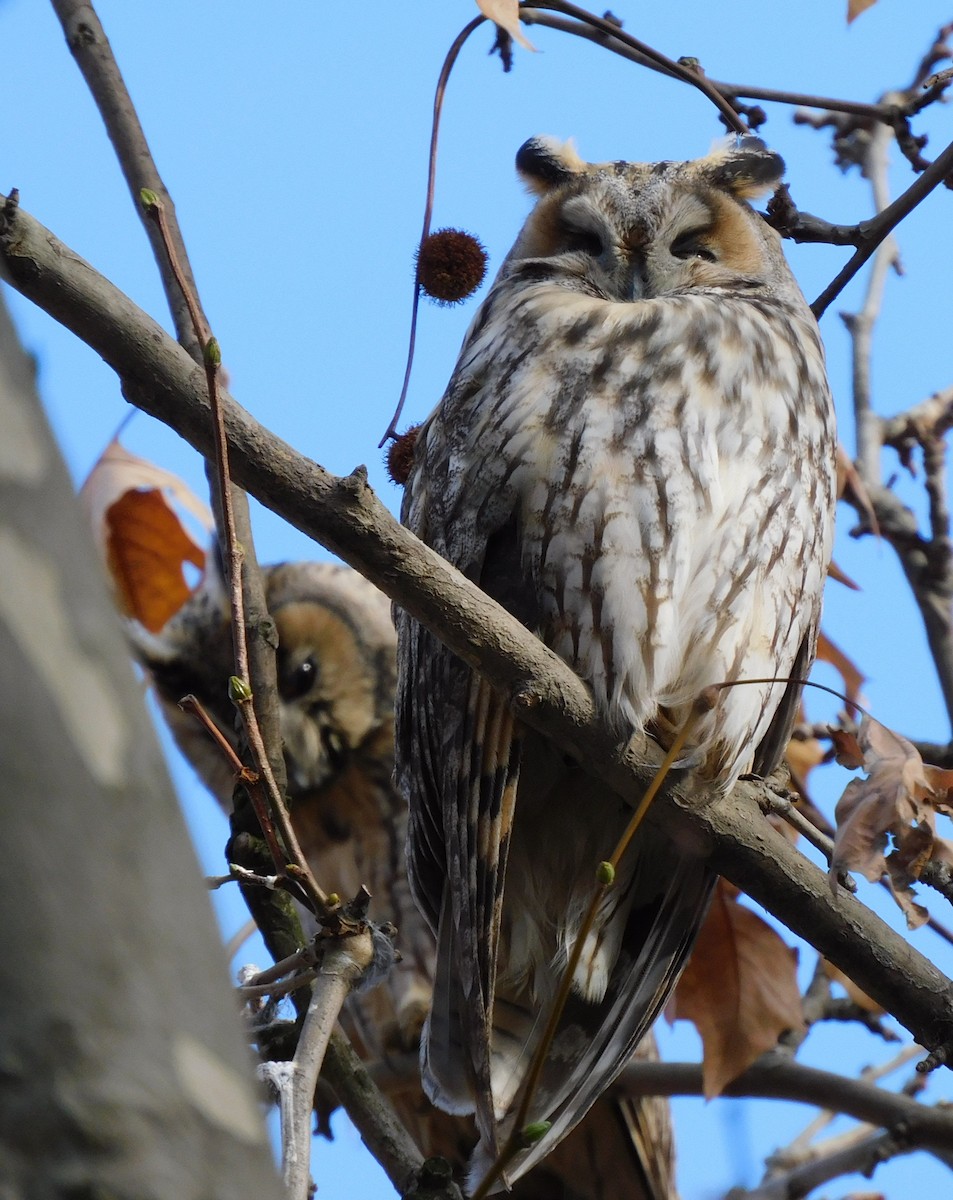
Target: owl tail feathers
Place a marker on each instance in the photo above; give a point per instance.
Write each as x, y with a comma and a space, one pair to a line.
445, 1070
596, 1040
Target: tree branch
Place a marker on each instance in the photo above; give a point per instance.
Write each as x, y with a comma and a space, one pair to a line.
344, 515
773, 1078
90, 47
862, 1155
295, 1082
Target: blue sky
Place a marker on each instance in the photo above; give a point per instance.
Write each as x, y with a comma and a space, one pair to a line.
294, 141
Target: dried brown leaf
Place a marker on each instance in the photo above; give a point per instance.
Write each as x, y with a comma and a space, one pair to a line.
146, 549
942, 851
847, 751
505, 13
856, 7
142, 539
802, 756
893, 802
853, 679
834, 571
941, 781
849, 483
739, 989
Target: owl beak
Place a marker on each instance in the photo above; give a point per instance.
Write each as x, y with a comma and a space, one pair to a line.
633, 277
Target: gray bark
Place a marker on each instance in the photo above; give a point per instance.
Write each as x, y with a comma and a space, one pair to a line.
122, 1068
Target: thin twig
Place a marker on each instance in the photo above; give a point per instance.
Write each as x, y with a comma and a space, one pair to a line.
863, 1156
239, 938
686, 73
448, 63
295, 1082
252, 991
91, 49
877, 230
860, 325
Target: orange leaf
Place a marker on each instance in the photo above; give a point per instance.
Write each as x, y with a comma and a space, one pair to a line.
142, 540
739, 989
505, 13
118, 471
146, 549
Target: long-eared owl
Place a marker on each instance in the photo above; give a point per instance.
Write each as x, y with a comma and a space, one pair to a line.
336, 677
635, 456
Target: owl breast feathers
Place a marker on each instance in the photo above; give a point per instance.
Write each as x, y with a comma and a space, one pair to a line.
635, 455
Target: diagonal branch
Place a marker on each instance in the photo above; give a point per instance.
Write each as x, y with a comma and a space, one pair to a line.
344, 515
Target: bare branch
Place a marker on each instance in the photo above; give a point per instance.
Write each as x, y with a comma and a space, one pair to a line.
90, 47
775, 1078
295, 1082
875, 231
863, 1153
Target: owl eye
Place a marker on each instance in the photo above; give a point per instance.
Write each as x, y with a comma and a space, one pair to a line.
583, 240
689, 245
299, 680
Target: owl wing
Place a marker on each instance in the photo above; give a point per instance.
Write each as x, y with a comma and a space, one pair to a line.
460, 765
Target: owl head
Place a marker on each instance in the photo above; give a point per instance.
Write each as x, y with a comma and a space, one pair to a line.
336, 674
635, 231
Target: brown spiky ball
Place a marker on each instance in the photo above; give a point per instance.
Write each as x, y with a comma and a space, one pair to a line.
400, 455
451, 265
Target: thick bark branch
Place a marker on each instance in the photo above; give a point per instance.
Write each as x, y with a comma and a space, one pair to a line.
124, 1072
345, 516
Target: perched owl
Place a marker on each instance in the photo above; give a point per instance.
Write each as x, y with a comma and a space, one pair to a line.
336, 676
635, 456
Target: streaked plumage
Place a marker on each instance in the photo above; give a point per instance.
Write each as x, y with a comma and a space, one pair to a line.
337, 668
635, 456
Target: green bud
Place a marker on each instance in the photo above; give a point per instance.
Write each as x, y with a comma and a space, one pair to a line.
212, 353
238, 689
605, 874
531, 1133
148, 199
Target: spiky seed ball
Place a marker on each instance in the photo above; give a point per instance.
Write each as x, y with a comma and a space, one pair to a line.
451, 265
400, 455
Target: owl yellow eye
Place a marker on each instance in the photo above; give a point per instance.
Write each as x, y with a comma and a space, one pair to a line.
690, 245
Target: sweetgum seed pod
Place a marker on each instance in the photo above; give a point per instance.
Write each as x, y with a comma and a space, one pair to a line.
451, 265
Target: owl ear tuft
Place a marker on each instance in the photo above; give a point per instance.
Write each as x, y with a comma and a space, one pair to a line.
745, 167
545, 162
